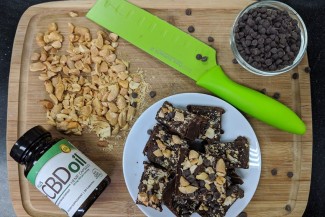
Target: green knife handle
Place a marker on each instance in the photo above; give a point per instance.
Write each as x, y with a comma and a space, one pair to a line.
251, 102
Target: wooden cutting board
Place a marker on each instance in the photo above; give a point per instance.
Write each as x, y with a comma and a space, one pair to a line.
276, 195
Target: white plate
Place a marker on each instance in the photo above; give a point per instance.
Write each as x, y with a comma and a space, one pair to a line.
233, 123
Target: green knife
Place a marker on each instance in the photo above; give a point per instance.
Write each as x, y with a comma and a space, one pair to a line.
178, 50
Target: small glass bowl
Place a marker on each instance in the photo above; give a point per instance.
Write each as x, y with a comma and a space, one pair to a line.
294, 15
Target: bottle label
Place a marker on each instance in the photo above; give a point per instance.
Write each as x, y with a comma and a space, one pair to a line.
66, 176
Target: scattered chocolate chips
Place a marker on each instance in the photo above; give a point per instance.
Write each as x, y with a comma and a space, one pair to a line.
276, 95
242, 214
267, 38
198, 56
188, 11
134, 94
204, 59
274, 172
287, 208
210, 39
234, 61
307, 69
152, 94
295, 76
290, 174
191, 29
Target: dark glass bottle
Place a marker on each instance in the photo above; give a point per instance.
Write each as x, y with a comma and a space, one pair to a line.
34, 144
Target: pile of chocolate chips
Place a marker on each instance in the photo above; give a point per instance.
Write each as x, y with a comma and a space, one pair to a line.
267, 38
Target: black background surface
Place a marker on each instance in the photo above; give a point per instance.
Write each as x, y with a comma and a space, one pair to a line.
312, 12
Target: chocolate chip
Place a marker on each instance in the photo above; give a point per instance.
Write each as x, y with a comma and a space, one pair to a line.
203, 190
307, 69
206, 162
201, 183
149, 131
209, 197
204, 59
262, 30
287, 208
280, 54
191, 29
134, 94
274, 50
212, 176
276, 95
290, 174
222, 131
213, 187
286, 57
216, 194
155, 186
198, 56
210, 39
247, 43
256, 51
268, 62
134, 104
274, 172
234, 61
242, 214
275, 57
272, 67
188, 12
186, 173
170, 116
250, 22
278, 61
295, 76
152, 94
263, 91
190, 178
261, 41
195, 183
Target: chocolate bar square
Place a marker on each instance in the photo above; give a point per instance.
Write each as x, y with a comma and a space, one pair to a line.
163, 148
213, 114
213, 209
181, 122
236, 153
151, 187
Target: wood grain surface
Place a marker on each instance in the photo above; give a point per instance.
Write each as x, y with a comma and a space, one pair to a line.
280, 150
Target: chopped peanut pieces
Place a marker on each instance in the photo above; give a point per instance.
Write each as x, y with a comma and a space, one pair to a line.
88, 85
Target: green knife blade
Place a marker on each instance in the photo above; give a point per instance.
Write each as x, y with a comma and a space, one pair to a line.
140, 27
179, 49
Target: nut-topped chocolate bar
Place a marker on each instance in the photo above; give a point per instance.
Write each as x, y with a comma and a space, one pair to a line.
163, 148
236, 153
151, 187
181, 122
202, 177
213, 114
207, 208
